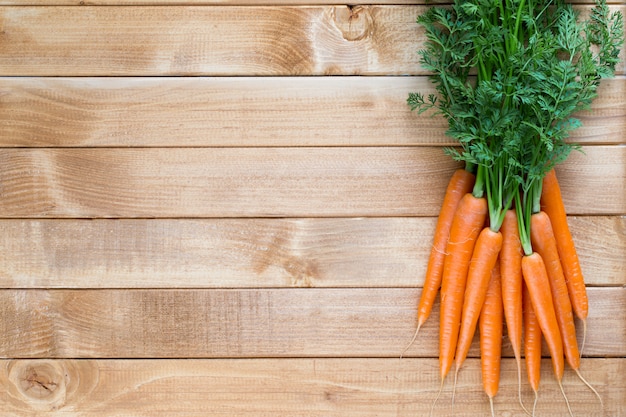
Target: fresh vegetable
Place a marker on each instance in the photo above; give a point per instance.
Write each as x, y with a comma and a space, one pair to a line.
468, 221
536, 278
490, 327
552, 204
510, 76
543, 241
532, 344
461, 183
482, 264
511, 277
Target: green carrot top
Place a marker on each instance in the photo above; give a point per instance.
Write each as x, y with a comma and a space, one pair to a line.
509, 75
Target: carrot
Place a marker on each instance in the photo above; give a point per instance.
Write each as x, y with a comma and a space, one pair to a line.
490, 326
460, 184
466, 225
532, 344
511, 275
552, 204
536, 278
484, 258
544, 242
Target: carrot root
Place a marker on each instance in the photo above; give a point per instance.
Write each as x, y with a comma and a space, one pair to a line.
432, 407
419, 326
591, 388
566, 400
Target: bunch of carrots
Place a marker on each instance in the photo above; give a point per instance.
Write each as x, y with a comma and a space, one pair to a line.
510, 75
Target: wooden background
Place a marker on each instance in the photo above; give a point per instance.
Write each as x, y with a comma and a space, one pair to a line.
226, 209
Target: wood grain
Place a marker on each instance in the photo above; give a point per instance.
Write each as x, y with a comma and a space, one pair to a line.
254, 253
218, 40
266, 182
245, 111
290, 387
246, 323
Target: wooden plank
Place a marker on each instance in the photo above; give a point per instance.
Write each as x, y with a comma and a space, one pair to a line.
217, 40
248, 323
254, 253
298, 387
245, 111
266, 182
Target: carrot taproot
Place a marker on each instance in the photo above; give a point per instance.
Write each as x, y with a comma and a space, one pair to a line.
511, 277
537, 282
552, 204
490, 328
460, 184
468, 221
544, 242
532, 345
484, 259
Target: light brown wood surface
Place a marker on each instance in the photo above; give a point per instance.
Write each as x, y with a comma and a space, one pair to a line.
225, 207
257, 253
288, 387
244, 323
267, 182
245, 111
217, 40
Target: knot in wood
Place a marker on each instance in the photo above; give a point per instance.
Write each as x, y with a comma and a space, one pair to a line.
354, 22
39, 383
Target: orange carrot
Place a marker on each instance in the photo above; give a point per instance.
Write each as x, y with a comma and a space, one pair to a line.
490, 326
543, 241
537, 282
536, 278
511, 274
532, 344
460, 184
468, 221
480, 273
552, 204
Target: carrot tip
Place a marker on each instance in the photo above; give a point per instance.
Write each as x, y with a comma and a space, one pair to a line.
566, 400
432, 407
519, 385
412, 340
590, 387
456, 374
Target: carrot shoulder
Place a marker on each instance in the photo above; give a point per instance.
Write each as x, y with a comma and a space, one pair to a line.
552, 204
467, 223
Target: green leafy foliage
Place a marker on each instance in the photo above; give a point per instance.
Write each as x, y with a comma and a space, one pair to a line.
510, 76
